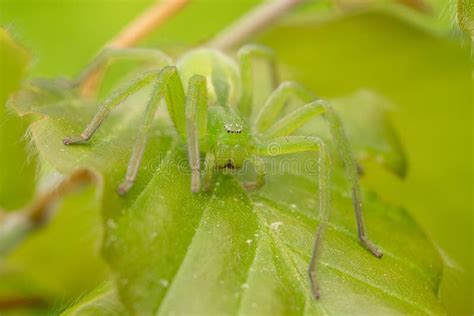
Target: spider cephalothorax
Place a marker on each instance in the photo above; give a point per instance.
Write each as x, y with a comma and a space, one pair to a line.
214, 118
231, 141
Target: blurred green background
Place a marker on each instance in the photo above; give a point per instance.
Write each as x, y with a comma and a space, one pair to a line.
417, 61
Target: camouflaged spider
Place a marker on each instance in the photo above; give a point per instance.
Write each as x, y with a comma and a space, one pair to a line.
213, 117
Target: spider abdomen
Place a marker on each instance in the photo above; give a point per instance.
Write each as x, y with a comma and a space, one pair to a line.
221, 72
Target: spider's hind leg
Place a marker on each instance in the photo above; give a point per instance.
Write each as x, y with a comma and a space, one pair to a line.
245, 55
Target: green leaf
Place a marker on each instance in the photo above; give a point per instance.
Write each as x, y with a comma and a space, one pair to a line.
101, 301
45, 267
17, 175
465, 16
369, 129
428, 78
231, 252
59, 262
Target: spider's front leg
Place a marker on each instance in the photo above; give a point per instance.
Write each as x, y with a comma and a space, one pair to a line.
196, 126
167, 85
295, 144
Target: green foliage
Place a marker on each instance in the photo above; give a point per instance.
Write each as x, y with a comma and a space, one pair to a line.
427, 77
230, 251
14, 190
428, 80
101, 301
465, 14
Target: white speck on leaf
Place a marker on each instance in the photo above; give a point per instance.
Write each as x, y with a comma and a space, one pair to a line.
276, 225
111, 224
164, 283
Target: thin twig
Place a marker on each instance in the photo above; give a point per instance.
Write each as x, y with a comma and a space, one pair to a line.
255, 21
149, 21
348, 5
38, 212
21, 302
138, 29
16, 225
465, 17
418, 5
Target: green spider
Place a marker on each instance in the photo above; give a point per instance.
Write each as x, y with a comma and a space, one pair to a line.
214, 118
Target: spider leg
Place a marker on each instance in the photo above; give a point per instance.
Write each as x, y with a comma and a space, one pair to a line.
115, 99
109, 55
296, 119
294, 144
276, 101
196, 125
260, 169
209, 165
167, 85
245, 55
342, 143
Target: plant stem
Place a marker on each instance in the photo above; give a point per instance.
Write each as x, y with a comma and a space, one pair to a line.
148, 21
16, 225
419, 5
257, 20
21, 302
38, 212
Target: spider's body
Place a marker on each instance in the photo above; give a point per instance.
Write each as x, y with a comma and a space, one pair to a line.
229, 137
215, 119
221, 73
